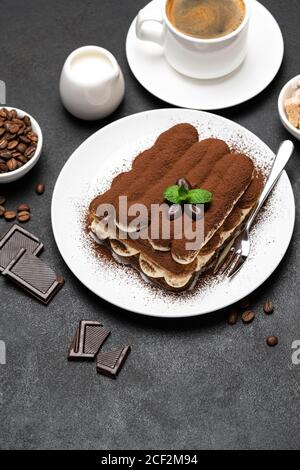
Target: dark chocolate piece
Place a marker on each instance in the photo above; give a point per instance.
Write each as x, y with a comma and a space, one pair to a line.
89, 337
34, 276
111, 362
15, 239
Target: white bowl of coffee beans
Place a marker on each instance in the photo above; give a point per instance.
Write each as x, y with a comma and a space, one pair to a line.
21, 142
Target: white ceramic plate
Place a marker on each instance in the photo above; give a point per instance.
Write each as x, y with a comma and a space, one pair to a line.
90, 170
262, 63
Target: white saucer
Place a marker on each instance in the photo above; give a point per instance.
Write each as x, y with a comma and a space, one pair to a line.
262, 63
110, 151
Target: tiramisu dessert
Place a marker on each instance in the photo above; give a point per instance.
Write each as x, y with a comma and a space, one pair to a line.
195, 180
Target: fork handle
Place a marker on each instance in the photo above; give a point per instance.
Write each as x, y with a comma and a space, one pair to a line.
284, 153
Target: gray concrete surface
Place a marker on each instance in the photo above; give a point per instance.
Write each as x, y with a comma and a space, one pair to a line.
190, 384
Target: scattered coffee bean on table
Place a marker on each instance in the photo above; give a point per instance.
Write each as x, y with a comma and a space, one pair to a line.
18, 142
232, 317
23, 207
10, 215
272, 341
2, 211
40, 188
248, 316
268, 307
2, 200
23, 216
245, 303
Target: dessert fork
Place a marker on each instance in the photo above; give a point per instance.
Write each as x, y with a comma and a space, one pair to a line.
237, 250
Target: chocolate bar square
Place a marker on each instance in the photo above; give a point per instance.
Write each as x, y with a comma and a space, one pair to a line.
89, 337
34, 276
12, 242
111, 362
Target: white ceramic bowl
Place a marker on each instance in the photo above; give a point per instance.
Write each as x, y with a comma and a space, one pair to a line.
286, 93
17, 174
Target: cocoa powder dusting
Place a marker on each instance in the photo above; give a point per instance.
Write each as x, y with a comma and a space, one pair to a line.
252, 193
228, 179
169, 146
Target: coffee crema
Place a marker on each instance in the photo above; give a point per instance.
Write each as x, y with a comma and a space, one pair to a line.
206, 19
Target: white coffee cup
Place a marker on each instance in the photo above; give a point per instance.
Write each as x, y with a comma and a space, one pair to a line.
196, 58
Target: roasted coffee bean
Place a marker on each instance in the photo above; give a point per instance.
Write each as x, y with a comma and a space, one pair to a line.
5, 154
12, 144
2, 200
2, 131
21, 130
268, 307
8, 136
2, 211
245, 302
12, 164
22, 159
13, 128
13, 113
3, 144
19, 164
21, 147
23, 216
3, 168
10, 215
29, 152
272, 341
193, 211
184, 184
24, 139
18, 121
23, 207
40, 188
174, 211
27, 120
3, 113
9, 126
248, 316
32, 136
16, 154
232, 317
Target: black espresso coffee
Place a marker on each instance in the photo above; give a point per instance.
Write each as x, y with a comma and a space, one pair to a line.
206, 19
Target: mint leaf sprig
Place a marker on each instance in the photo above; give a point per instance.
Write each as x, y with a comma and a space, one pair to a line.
178, 194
